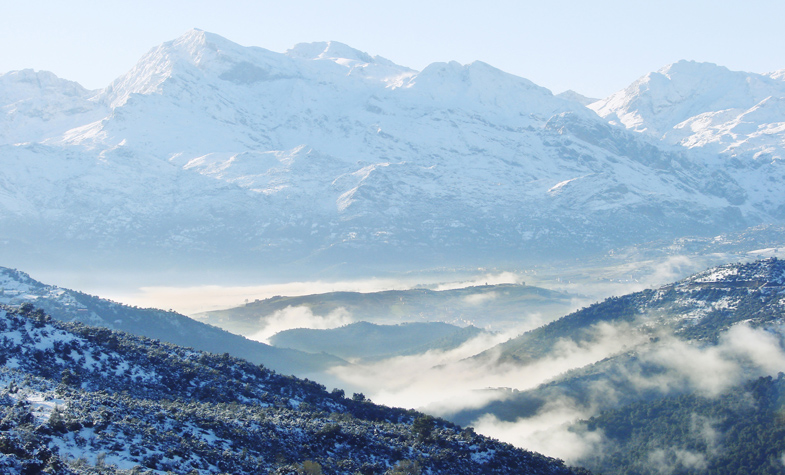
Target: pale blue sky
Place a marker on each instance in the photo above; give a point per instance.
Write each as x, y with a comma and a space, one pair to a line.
593, 47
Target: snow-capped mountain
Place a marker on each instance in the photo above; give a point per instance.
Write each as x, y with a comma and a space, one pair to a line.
683, 98
37, 105
211, 152
577, 97
735, 115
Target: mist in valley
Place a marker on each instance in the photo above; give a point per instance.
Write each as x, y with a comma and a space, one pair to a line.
633, 361
536, 403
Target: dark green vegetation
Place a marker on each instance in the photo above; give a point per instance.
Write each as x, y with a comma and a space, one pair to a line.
172, 327
500, 305
369, 341
79, 399
742, 431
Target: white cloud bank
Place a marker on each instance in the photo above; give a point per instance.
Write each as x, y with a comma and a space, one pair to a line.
443, 382
300, 317
742, 353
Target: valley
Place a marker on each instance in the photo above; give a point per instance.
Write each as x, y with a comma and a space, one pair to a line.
707, 343
505, 280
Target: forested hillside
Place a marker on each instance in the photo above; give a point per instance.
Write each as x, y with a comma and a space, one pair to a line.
741, 431
367, 340
686, 378
699, 307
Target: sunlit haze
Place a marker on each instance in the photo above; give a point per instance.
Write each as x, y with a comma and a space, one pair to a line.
594, 48
194, 299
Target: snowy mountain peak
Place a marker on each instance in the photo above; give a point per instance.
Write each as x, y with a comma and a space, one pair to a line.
196, 53
691, 69
659, 101
331, 50
571, 95
779, 74
205, 50
35, 105
356, 63
479, 83
702, 104
669, 91
23, 84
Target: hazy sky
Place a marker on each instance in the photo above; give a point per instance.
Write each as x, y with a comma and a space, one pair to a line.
593, 47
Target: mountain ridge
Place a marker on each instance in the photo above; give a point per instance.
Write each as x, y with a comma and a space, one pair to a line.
18, 288
250, 157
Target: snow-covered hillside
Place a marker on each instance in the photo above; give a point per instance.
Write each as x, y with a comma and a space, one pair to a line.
208, 153
77, 399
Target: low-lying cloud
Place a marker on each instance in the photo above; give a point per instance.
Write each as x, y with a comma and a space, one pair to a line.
300, 317
548, 432
479, 299
667, 460
444, 382
742, 353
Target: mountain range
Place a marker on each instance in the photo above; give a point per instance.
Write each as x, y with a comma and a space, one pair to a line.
325, 160
494, 307
208, 159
